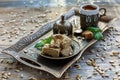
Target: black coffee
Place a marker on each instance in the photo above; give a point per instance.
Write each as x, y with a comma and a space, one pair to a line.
89, 7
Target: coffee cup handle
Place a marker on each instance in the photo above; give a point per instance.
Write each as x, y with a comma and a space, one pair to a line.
104, 12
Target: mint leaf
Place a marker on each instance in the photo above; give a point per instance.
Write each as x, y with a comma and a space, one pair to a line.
94, 29
39, 45
43, 42
47, 40
98, 36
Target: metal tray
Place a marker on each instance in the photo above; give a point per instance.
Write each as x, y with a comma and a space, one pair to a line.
24, 51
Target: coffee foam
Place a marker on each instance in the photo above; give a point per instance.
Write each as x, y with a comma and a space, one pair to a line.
89, 12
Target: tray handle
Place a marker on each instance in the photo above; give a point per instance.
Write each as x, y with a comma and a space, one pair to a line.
24, 59
28, 61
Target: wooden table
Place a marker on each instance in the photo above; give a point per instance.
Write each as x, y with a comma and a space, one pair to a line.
18, 22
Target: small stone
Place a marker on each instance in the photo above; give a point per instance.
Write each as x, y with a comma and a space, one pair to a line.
89, 76
103, 55
24, 12
111, 55
8, 37
118, 74
47, 11
2, 73
104, 48
106, 75
10, 40
21, 76
100, 71
96, 58
22, 29
9, 74
106, 70
115, 78
92, 62
32, 78
1, 60
117, 40
94, 72
3, 39
15, 29
17, 70
16, 37
82, 58
111, 61
108, 44
114, 65
110, 39
56, 13
79, 77
89, 63
36, 26
32, 30
92, 51
104, 40
115, 53
79, 60
41, 16
98, 50
77, 66
5, 76
110, 68
102, 58
101, 44
5, 68
10, 62
97, 55
25, 51
119, 56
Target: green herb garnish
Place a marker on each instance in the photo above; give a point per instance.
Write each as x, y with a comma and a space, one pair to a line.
97, 32
47, 40
39, 45
98, 36
94, 29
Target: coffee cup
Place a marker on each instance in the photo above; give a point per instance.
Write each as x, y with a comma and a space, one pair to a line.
90, 14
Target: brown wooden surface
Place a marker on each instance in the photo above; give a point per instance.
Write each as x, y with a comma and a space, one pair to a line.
10, 17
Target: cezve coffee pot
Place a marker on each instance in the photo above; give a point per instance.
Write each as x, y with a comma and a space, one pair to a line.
63, 27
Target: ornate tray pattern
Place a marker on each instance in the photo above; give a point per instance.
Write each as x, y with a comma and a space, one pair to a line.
25, 53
